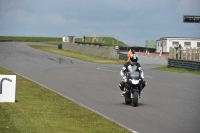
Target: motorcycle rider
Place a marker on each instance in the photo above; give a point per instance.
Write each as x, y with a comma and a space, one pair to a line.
132, 65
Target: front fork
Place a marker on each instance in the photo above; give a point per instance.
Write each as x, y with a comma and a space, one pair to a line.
132, 90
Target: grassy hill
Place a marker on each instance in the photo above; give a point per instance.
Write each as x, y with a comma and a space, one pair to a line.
108, 41
51, 40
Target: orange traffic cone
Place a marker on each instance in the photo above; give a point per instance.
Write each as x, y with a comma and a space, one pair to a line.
154, 55
160, 56
148, 54
166, 57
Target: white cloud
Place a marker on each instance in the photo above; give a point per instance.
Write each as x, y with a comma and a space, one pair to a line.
18, 16
56, 18
7, 4
139, 5
188, 7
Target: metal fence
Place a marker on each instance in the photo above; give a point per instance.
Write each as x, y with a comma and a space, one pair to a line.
187, 54
137, 49
187, 64
123, 56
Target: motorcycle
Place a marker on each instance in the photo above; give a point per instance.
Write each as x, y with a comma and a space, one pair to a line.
133, 88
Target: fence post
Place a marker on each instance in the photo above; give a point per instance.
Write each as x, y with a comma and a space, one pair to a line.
170, 52
174, 53
194, 50
179, 55
190, 53
186, 57
199, 54
182, 53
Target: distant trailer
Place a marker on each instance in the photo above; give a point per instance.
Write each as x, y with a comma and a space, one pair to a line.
163, 44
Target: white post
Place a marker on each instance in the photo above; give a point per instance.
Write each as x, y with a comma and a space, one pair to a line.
199, 54
170, 52
174, 53
190, 53
179, 53
182, 53
194, 54
186, 56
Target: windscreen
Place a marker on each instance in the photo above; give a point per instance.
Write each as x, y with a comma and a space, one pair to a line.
134, 74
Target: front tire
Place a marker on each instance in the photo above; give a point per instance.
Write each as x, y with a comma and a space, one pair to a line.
127, 100
135, 99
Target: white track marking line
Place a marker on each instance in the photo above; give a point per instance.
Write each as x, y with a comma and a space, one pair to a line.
148, 76
107, 70
112, 66
104, 69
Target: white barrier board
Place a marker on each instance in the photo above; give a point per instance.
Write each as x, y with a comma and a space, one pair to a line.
7, 88
65, 39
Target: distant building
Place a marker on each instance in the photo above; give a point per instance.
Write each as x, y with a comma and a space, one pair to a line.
150, 44
165, 43
69, 39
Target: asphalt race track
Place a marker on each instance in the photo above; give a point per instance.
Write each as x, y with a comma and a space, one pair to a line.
170, 102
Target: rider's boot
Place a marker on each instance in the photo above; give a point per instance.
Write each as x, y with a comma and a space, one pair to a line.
123, 93
121, 86
143, 85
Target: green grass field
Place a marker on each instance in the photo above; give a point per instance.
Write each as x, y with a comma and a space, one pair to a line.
109, 41
39, 110
178, 70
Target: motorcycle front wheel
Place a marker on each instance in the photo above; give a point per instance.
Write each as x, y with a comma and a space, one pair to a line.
127, 100
135, 99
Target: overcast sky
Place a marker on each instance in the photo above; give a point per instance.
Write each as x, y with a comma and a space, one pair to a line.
131, 21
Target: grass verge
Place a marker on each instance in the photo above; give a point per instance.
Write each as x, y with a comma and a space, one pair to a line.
48, 40
40, 110
179, 70
108, 41
80, 56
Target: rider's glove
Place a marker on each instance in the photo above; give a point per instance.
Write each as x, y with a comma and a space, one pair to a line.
124, 79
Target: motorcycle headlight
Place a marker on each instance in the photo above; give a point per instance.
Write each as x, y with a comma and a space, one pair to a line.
135, 82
